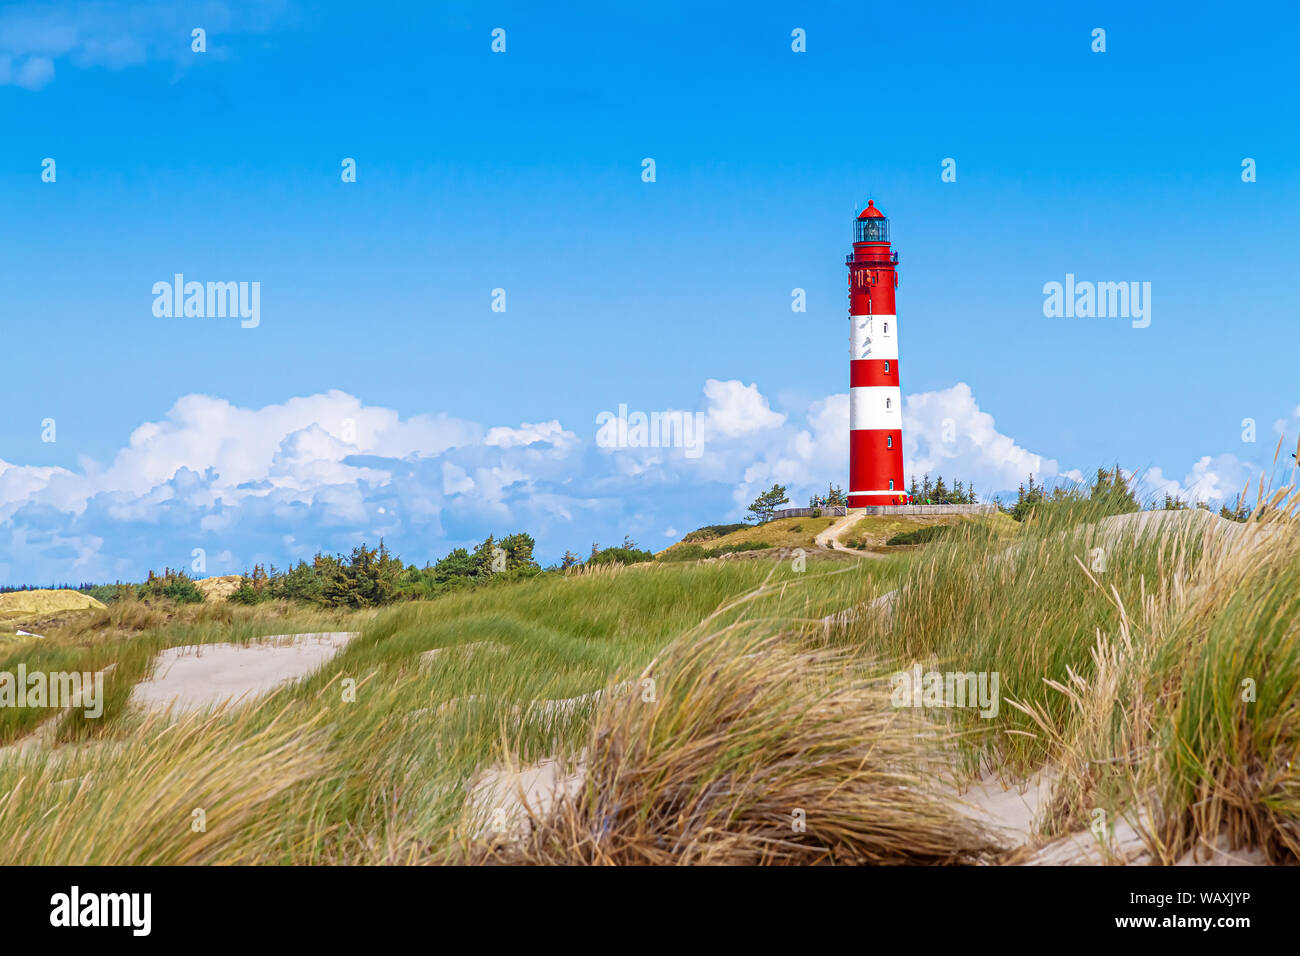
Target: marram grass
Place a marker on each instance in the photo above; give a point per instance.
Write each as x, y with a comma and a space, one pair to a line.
1151, 663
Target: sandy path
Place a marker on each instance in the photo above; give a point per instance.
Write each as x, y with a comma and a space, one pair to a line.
830, 538
203, 675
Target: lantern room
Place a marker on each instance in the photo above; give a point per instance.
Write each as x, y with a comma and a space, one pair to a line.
871, 225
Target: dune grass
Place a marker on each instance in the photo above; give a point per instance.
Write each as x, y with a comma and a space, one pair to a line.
876, 531
752, 749
781, 533
390, 741
1151, 661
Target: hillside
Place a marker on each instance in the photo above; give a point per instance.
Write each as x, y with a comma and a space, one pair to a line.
218, 588
870, 533
873, 532
1107, 657
18, 606
781, 533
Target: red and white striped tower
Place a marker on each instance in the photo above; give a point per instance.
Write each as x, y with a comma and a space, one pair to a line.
875, 401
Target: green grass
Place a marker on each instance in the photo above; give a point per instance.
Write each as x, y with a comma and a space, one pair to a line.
1124, 661
384, 767
781, 533
878, 531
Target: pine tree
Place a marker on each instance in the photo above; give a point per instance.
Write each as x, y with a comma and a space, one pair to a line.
1111, 489
766, 504
483, 555
519, 551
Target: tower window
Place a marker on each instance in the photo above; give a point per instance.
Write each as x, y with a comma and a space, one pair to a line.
886, 328
889, 441
886, 368
891, 484
887, 402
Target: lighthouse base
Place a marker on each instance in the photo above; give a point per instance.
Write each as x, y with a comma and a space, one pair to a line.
865, 499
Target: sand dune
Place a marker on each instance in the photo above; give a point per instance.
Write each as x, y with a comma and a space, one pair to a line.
194, 677
20, 605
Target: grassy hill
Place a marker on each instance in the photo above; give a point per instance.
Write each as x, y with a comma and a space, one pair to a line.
874, 532
37, 608
1148, 668
781, 533
17, 606
425, 728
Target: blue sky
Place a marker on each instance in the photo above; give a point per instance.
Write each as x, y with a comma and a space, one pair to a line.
522, 170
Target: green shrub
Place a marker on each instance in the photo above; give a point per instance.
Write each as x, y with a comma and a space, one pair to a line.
620, 556
172, 585
921, 535
697, 552
711, 531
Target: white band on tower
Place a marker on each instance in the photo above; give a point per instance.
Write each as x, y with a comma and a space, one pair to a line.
875, 407
874, 337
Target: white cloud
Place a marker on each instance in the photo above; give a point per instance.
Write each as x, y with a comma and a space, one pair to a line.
737, 409
946, 432
549, 433
326, 471
1218, 479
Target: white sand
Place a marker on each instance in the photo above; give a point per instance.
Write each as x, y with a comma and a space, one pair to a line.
1016, 813
1220, 855
1012, 811
504, 800
197, 676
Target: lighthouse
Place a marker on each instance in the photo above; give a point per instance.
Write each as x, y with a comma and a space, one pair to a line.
875, 400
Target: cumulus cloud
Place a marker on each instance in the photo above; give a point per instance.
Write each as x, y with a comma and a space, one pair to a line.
736, 409
944, 432
326, 471
1218, 479
550, 433
947, 432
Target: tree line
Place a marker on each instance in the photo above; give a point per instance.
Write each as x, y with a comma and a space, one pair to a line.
370, 576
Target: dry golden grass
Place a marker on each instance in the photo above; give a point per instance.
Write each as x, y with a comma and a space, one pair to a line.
1162, 684
781, 533
1186, 716
55, 808
873, 531
18, 606
218, 588
754, 750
